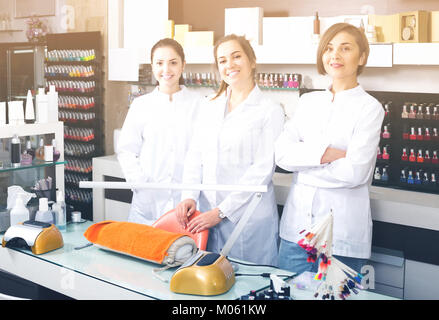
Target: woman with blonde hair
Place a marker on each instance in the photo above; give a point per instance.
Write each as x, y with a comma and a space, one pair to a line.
234, 145
330, 144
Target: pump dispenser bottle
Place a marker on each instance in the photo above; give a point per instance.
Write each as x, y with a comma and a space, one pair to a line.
44, 214
19, 212
59, 210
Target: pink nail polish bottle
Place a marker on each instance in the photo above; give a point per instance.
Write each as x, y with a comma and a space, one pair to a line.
386, 133
386, 155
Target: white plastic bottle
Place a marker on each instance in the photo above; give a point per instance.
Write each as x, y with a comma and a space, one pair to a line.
52, 98
42, 106
19, 212
59, 210
44, 214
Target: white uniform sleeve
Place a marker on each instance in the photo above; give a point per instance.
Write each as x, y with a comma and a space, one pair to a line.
262, 169
356, 168
193, 170
130, 144
291, 152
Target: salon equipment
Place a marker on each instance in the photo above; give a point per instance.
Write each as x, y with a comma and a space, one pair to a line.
170, 223
38, 236
206, 273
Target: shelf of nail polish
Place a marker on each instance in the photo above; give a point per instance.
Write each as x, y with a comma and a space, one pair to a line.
75, 116
79, 165
71, 55
420, 133
422, 111
80, 195
279, 81
72, 179
79, 149
79, 134
415, 178
69, 71
383, 154
76, 102
72, 86
420, 156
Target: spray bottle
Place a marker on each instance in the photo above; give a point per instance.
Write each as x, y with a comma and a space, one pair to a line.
19, 212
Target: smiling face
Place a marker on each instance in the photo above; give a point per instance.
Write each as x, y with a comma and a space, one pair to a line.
234, 66
341, 57
167, 67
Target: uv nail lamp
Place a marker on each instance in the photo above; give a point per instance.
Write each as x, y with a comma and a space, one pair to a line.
205, 274
37, 236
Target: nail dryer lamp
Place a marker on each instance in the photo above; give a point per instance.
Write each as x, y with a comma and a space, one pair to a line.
205, 273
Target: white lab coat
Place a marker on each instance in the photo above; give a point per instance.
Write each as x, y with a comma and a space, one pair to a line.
351, 122
237, 149
152, 146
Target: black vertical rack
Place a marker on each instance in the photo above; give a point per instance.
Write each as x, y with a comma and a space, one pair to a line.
74, 64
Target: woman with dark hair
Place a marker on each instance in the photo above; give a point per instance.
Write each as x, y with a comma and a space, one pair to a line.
156, 133
234, 145
330, 144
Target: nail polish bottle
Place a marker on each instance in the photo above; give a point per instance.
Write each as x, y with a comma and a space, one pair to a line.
377, 175
386, 155
402, 177
425, 180
261, 80
427, 136
433, 179
410, 178
427, 158
290, 81
412, 157
385, 176
29, 149
412, 113
271, 81
296, 81
386, 133
275, 81
285, 84
412, 135
404, 114
420, 158
427, 115
39, 153
280, 83
266, 80
379, 155
435, 114
420, 135
435, 136
434, 159
419, 114
418, 178
404, 156
56, 153
387, 109
26, 159
405, 132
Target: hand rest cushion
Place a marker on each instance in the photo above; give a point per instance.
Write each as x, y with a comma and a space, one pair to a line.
142, 241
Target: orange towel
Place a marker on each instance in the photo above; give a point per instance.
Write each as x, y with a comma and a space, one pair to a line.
135, 239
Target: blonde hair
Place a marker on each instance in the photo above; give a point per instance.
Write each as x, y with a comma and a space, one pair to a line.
330, 33
246, 47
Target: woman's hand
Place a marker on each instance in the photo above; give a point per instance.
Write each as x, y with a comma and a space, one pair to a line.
204, 221
184, 210
332, 154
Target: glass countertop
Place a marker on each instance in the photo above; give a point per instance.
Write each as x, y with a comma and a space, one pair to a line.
4, 167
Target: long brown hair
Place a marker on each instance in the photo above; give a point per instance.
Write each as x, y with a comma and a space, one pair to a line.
246, 47
171, 43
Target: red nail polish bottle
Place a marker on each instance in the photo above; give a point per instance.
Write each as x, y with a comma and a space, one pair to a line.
427, 135
405, 133
435, 136
420, 136
420, 158
427, 157
412, 134
412, 157
386, 155
379, 155
404, 156
435, 160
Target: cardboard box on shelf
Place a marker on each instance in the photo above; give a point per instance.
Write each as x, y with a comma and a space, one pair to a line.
198, 38
414, 26
387, 27
179, 31
245, 22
